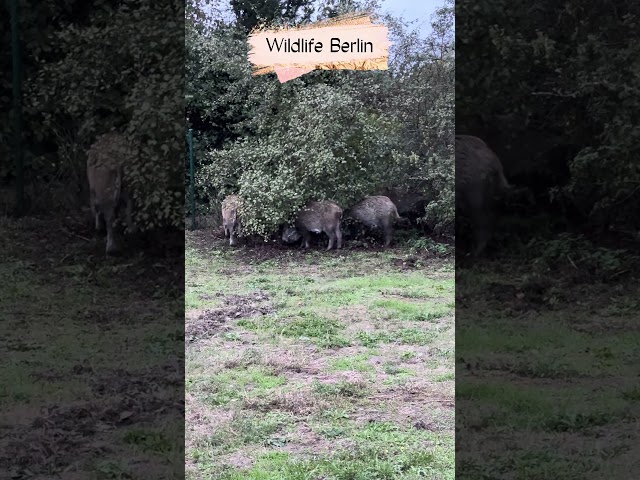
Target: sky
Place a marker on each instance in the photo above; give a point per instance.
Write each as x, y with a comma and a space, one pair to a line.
420, 10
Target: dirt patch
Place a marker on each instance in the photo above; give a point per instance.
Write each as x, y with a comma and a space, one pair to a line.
54, 440
419, 405
360, 327
201, 420
251, 250
240, 459
212, 322
245, 300
424, 391
347, 376
409, 263
301, 402
136, 396
60, 434
304, 441
202, 238
355, 315
254, 251
286, 361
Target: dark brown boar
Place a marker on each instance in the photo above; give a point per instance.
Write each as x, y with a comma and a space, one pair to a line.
323, 216
108, 192
480, 183
231, 218
377, 211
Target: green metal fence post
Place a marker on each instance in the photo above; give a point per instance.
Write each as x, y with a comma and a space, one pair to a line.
192, 168
17, 106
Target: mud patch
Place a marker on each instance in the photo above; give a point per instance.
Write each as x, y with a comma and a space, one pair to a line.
409, 263
61, 434
246, 300
255, 251
206, 296
304, 442
283, 361
214, 321
55, 439
137, 396
301, 402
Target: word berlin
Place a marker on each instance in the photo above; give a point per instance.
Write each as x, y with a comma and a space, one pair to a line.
307, 46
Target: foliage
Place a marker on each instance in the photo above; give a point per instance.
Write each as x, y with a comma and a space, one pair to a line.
110, 65
564, 70
423, 99
252, 13
338, 135
580, 254
424, 245
304, 157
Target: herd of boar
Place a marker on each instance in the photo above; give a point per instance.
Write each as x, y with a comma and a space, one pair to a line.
377, 212
480, 183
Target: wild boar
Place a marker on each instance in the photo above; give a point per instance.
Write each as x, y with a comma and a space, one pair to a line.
108, 191
323, 216
480, 183
231, 218
376, 211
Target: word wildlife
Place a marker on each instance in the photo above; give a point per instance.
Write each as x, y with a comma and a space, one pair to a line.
307, 46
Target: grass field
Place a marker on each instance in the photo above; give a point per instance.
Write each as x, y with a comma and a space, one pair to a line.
92, 347
317, 365
547, 373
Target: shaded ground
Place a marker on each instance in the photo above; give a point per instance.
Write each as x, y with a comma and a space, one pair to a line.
93, 374
547, 370
317, 364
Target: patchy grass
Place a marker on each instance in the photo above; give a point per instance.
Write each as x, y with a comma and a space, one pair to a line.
318, 365
92, 372
546, 379
419, 312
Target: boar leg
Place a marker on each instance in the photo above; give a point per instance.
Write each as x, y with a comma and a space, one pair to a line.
99, 222
388, 232
109, 217
387, 238
339, 237
332, 237
97, 215
482, 237
306, 237
478, 215
481, 230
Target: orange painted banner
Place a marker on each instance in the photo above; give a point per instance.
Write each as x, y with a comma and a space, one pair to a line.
350, 42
